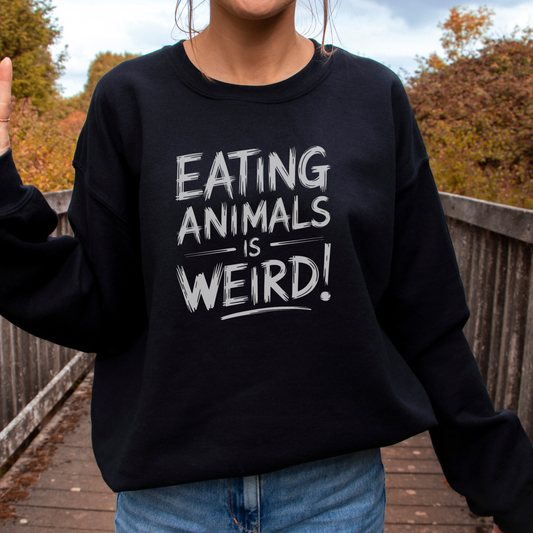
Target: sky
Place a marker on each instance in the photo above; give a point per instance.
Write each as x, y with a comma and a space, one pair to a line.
393, 32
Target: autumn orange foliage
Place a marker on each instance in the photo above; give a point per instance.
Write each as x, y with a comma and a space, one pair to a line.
44, 144
474, 107
475, 111
463, 29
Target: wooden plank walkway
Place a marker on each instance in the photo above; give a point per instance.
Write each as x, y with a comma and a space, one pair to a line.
56, 486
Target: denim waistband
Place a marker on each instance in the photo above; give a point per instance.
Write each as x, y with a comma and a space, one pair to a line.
345, 494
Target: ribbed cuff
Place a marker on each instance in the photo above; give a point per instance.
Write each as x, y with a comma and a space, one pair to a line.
520, 518
12, 190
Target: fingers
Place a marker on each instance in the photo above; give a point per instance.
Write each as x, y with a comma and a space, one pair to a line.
6, 76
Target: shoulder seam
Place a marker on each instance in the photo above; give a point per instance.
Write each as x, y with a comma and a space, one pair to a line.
100, 200
414, 178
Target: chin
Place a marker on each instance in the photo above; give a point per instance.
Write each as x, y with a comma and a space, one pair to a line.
255, 10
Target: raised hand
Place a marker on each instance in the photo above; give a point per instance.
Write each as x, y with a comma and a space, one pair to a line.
6, 75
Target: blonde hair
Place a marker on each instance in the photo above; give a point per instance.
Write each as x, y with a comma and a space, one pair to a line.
191, 31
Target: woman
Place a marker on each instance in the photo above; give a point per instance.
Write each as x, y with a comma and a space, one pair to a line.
263, 267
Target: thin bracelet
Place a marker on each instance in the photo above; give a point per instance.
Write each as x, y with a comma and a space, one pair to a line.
5, 119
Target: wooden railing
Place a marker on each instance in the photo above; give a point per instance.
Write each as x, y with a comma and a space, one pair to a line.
34, 374
493, 243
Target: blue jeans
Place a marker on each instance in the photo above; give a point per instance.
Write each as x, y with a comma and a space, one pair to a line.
343, 494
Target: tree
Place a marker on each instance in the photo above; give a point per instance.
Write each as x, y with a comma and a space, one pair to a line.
463, 29
44, 142
100, 65
27, 31
475, 111
44, 145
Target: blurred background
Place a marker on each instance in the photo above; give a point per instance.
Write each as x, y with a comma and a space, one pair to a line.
467, 70
389, 31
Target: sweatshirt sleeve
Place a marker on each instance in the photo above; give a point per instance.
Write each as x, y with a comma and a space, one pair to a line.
85, 291
485, 455
46, 284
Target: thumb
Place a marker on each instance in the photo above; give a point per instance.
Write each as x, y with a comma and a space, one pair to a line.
6, 76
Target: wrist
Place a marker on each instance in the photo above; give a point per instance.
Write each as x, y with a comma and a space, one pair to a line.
4, 148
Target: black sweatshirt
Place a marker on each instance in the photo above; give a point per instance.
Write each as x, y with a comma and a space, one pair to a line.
266, 275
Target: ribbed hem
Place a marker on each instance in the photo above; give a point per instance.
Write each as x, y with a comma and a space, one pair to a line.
12, 191
520, 518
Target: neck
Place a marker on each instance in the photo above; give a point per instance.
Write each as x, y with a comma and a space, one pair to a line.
245, 51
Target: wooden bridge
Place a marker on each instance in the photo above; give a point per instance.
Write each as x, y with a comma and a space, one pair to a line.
56, 486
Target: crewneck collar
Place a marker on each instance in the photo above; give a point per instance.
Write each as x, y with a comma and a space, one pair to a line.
300, 83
